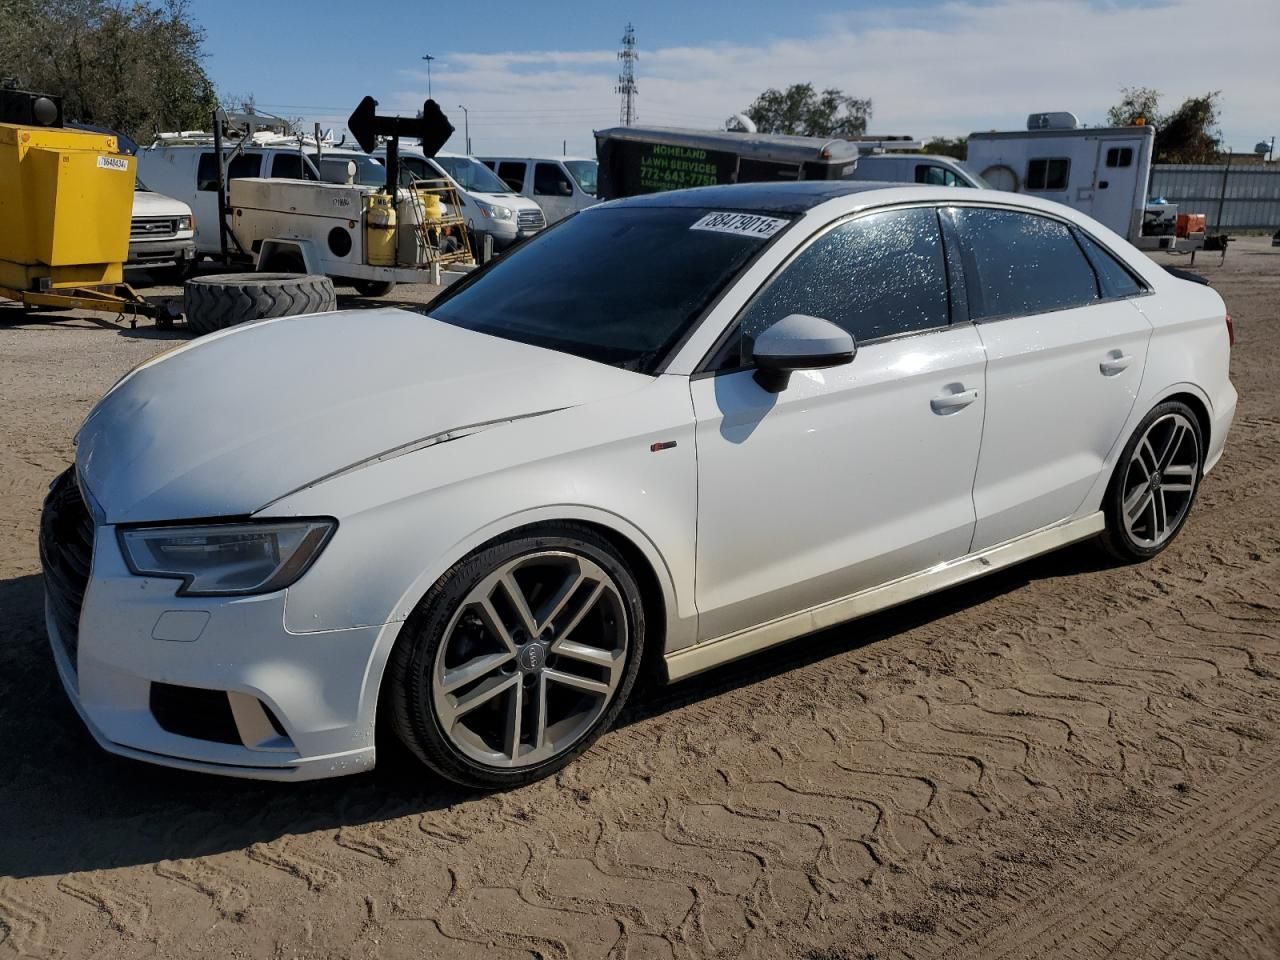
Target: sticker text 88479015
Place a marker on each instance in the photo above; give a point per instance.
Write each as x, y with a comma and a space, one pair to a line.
742, 224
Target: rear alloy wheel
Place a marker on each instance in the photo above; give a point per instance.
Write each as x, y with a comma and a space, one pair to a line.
518, 658
1155, 483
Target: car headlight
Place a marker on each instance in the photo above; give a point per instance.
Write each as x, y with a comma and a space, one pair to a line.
185, 223
221, 559
496, 211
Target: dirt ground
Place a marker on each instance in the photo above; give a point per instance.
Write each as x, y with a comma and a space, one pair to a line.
1069, 759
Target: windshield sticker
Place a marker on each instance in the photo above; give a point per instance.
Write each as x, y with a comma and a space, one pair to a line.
742, 224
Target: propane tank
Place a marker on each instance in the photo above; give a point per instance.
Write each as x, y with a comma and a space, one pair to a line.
433, 206
380, 231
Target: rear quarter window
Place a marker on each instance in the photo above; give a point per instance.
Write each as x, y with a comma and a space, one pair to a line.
1115, 279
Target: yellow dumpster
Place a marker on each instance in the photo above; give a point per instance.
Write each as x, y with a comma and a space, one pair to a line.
66, 198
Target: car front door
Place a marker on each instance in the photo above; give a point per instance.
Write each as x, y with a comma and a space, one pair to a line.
1065, 355
850, 476
553, 191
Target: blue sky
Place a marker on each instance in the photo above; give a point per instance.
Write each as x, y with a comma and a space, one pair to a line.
539, 76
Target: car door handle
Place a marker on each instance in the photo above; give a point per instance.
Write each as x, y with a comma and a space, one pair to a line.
949, 402
1113, 365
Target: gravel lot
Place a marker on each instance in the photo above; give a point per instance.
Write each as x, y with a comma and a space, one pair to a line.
1070, 759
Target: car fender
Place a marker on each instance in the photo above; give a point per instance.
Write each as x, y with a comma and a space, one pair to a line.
405, 520
677, 632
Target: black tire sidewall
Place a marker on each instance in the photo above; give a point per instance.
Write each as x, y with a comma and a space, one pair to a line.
373, 288
412, 714
215, 302
1116, 538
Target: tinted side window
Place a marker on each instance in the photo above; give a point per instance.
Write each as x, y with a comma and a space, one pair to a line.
417, 166
207, 172
1020, 263
550, 181
288, 166
1120, 157
242, 165
1048, 173
876, 276
937, 176
512, 173
1115, 278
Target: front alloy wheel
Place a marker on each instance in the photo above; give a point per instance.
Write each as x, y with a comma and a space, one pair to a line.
518, 658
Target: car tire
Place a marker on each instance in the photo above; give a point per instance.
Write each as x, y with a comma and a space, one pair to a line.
373, 288
455, 682
217, 302
1154, 484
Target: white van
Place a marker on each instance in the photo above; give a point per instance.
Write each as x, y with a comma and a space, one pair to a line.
559, 185
489, 205
927, 168
188, 171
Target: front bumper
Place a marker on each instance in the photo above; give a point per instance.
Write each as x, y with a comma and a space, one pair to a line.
296, 706
154, 253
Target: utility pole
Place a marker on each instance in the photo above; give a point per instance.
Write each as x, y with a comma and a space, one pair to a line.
466, 123
428, 57
627, 78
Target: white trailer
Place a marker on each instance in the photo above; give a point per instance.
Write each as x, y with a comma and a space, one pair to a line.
1102, 171
344, 230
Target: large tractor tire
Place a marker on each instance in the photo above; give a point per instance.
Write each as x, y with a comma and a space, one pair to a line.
217, 302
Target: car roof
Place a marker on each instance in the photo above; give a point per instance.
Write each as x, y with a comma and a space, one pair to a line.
797, 197
536, 158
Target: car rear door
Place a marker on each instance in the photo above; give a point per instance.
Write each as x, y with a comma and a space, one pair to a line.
1064, 363
850, 476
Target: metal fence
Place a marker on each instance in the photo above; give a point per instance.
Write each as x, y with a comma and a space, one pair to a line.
1249, 199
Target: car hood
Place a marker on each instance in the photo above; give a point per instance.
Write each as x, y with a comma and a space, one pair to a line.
148, 203
227, 424
513, 200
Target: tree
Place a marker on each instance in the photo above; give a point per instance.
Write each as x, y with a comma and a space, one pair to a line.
1187, 135
947, 147
1137, 103
799, 109
131, 66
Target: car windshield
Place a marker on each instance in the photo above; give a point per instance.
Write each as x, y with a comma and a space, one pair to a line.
584, 171
369, 171
472, 175
616, 285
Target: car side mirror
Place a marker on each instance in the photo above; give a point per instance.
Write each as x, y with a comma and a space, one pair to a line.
799, 342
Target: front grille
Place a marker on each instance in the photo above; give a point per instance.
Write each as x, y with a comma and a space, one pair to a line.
530, 220
194, 712
66, 553
152, 228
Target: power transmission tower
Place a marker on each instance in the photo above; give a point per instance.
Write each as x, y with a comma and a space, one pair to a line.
627, 78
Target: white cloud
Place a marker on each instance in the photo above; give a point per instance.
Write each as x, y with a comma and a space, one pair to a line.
937, 70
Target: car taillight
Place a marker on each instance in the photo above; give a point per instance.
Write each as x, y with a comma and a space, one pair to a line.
1231, 332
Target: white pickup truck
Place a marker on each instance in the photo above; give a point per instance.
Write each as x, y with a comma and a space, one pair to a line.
162, 236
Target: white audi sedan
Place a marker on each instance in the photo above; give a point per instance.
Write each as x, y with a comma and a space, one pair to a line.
671, 430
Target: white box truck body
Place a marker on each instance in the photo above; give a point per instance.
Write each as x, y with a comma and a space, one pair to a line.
1101, 171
